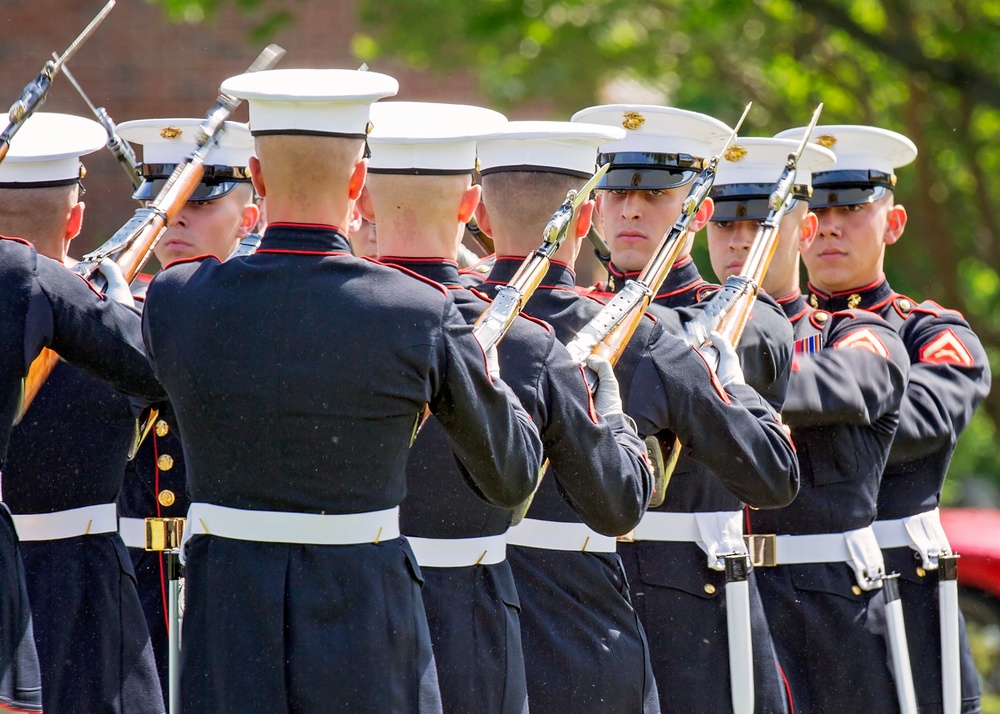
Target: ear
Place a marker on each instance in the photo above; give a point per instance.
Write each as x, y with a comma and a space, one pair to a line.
251, 215
469, 203
895, 224
584, 218
483, 219
257, 177
354, 225
358, 176
74, 222
364, 207
703, 216
810, 227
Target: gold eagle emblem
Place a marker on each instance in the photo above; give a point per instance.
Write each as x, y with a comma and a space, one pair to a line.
827, 141
735, 153
633, 120
170, 132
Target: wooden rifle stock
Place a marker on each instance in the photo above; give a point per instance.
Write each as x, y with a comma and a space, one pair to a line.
611, 329
133, 243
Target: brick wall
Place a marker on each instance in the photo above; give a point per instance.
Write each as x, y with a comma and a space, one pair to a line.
138, 65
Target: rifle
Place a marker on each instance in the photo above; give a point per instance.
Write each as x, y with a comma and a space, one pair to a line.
729, 309
608, 333
132, 245
35, 92
510, 299
119, 149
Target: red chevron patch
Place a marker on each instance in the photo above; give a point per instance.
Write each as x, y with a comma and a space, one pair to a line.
864, 340
946, 348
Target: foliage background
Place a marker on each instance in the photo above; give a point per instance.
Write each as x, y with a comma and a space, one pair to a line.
928, 69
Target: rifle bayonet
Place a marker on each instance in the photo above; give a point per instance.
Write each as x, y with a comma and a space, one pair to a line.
119, 148
34, 94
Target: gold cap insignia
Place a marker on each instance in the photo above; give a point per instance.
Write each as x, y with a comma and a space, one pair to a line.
368, 128
827, 141
735, 153
853, 300
813, 301
170, 132
83, 171
632, 120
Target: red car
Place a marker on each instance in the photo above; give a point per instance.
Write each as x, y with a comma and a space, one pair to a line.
975, 535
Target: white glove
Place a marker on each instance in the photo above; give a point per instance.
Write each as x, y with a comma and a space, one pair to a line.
723, 356
118, 290
607, 399
493, 363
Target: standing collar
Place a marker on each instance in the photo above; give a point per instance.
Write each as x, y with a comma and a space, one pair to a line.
303, 238
683, 275
440, 270
794, 306
869, 297
559, 275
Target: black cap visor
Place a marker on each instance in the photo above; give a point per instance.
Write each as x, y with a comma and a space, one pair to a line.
636, 170
849, 188
216, 182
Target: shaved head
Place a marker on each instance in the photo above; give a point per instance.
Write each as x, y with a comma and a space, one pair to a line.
39, 215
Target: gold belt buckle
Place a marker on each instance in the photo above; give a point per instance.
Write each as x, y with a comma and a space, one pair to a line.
627, 538
763, 550
164, 533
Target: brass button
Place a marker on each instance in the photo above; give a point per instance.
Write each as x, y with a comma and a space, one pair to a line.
709, 588
166, 497
921, 572
162, 428
822, 316
165, 462
905, 305
856, 589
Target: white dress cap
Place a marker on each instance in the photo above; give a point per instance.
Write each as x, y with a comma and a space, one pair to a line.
47, 148
750, 168
551, 146
860, 148
170, 141
428, 138
760, 161
660, 130
324, 102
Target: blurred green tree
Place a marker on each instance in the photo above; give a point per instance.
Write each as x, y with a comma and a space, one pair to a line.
928, 69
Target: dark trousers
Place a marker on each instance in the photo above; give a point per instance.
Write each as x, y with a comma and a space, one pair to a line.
20, 681
274, 628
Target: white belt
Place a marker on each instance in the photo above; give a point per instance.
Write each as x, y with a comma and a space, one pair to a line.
922, 532
857, 548
88, 520
717, 533
459, 552
552, 535
289, 527
133, 532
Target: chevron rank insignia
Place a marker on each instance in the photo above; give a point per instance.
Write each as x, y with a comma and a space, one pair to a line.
946, 348
864, 340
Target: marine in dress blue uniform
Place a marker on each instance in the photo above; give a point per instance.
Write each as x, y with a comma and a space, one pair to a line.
676, 572
584, 645
949, 375
46, 305
824, 607
593, 452
220, 213
65, 466
301, 595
